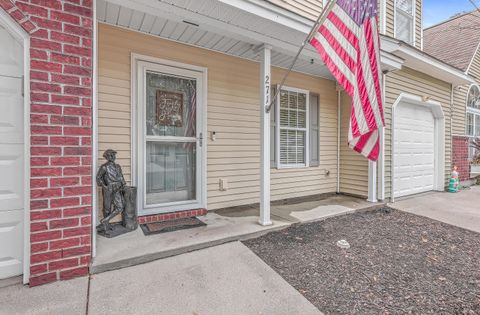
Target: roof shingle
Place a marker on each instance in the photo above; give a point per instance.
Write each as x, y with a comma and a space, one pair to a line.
454, 41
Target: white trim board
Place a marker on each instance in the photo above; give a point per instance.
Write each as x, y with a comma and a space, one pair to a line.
136, 161
16, 30
439, 132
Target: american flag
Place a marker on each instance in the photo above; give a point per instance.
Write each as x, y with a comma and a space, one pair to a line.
349, 44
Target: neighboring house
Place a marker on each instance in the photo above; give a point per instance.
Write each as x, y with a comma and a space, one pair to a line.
456, 42
211, 65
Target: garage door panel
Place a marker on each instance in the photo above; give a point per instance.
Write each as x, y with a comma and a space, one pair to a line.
414, 150
11, 234
11, 156
11, 170
10, 63
11, 104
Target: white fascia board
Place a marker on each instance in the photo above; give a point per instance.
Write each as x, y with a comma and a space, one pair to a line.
179, 14
420, 61
390, 62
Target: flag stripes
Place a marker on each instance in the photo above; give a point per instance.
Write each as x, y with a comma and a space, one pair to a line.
348, 43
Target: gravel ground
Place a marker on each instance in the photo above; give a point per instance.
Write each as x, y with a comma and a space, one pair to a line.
398, 263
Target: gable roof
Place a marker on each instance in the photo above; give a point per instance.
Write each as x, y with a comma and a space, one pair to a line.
454, 41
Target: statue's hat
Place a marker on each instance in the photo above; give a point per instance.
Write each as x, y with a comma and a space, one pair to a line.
109, 151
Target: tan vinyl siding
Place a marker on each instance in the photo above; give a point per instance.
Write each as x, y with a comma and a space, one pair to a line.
390, 18
232, 112
297, 182
353, 166
459, 109
415, 83
307, 8
390, 23
418, 24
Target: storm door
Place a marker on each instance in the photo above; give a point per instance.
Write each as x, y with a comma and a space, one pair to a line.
171, 138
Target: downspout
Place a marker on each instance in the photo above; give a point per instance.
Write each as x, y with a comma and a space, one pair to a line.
451, 126
381, 161
339, 120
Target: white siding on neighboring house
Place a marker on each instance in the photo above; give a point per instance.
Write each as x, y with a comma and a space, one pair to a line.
474, 69
460, 97
233, 113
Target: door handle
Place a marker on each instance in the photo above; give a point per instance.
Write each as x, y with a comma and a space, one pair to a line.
200, 139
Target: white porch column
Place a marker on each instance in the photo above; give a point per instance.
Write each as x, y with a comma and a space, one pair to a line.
372, 181
265, 98
381, 166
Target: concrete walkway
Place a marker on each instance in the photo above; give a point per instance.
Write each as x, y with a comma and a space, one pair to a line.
461, 209
225, 279
65, 297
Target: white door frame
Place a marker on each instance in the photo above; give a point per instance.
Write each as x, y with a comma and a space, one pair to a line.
17, 31
137, 153
439, 134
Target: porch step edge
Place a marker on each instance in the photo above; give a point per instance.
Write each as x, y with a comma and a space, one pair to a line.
143, 259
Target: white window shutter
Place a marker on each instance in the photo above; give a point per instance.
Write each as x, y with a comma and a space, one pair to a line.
314, 148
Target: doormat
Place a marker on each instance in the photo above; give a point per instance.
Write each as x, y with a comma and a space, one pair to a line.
171, 225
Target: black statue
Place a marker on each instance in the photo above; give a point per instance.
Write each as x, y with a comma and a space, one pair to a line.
118, 198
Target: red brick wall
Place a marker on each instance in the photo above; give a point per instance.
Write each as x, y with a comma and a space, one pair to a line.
460, 156
61, 135
171, 216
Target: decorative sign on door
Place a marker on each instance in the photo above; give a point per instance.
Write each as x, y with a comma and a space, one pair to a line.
169, 108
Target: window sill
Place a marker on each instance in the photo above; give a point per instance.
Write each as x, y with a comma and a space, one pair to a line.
283, 167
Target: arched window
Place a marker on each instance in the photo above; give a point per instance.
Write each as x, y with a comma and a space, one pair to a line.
472, 126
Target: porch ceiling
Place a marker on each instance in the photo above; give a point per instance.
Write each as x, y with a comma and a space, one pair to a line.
221, 28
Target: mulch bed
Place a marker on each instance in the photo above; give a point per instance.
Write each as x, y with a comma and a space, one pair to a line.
398, 263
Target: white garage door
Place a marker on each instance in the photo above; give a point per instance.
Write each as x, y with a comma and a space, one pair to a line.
11, 156
414, 152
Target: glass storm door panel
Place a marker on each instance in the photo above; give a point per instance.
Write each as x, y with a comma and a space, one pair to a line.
170, 139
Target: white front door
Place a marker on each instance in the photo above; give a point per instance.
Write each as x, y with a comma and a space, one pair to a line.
169, 126
414, 150
11, 156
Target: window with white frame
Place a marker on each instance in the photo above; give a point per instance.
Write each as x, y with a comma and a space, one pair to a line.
405, 20
295, 129
472, 125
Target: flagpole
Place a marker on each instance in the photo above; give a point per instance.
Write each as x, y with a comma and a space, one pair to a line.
321, 18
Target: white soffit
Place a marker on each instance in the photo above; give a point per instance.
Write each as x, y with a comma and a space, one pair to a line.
221, 28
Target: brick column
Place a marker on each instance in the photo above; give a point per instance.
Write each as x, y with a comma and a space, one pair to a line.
460, 156
61, 134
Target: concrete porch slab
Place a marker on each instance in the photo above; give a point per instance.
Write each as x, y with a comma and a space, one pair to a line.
225, 279
313, 209
223, 226
62, 297
324, 208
